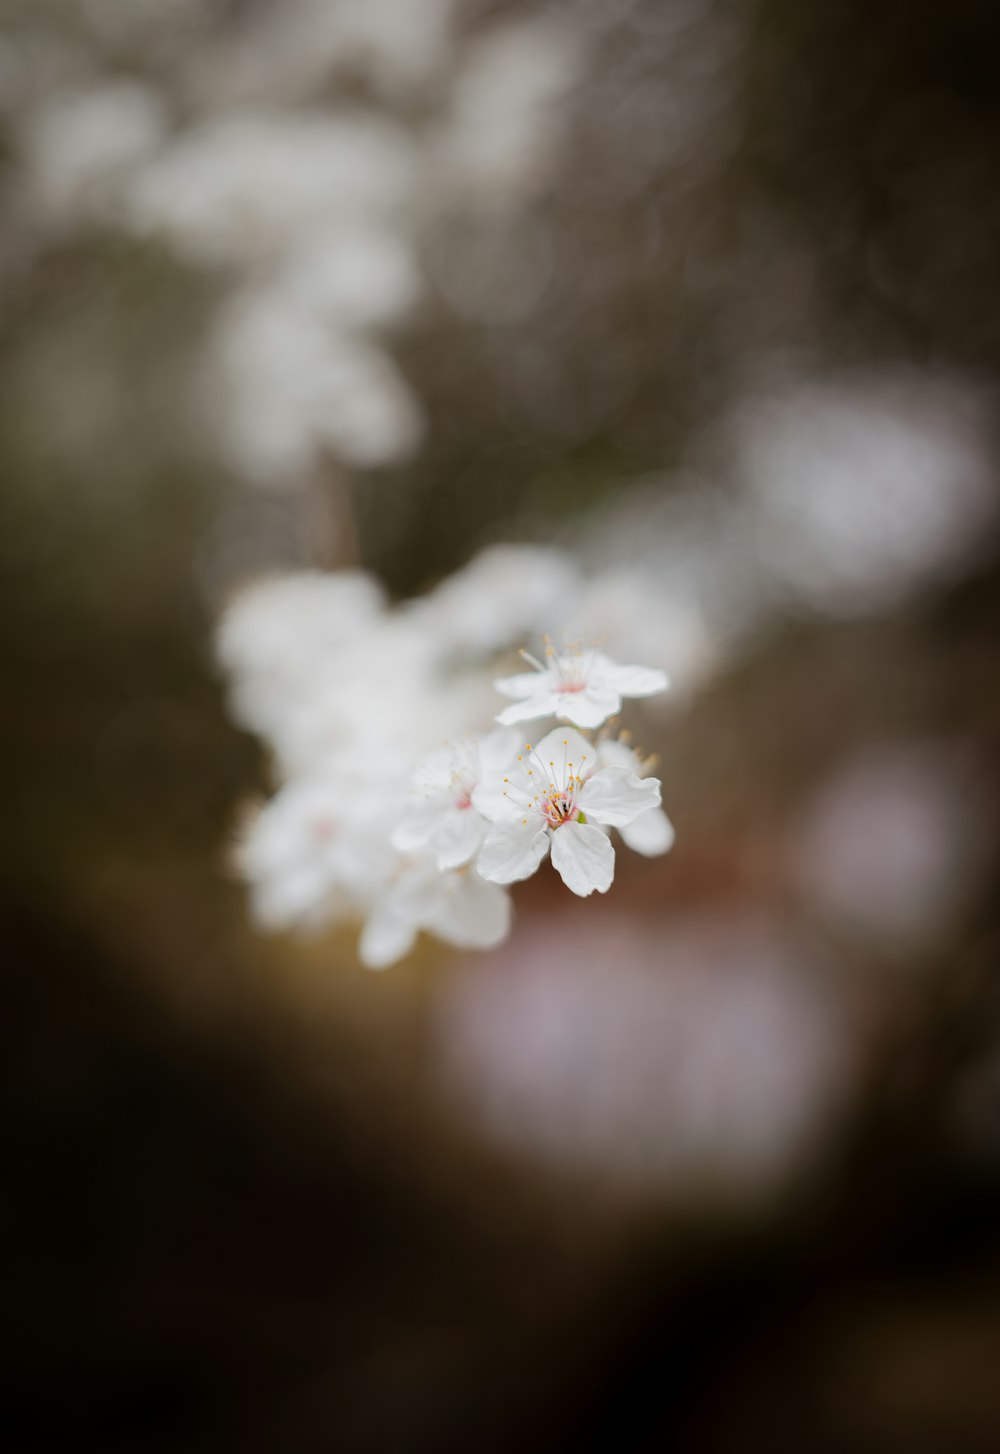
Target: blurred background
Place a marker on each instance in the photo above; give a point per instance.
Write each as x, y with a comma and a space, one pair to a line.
703, 293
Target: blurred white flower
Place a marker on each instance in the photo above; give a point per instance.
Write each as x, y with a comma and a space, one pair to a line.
292, 49
244, 186
315, 200
80, 147
866, 487
458, 907
310, 855
504, 118
645, 611
290, 387
279, 634
673, 578
505, 593
441, 820
546, 801
355, 273
379, 700
582, 687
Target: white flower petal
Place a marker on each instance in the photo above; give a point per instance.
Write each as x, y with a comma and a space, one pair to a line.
457, 837
559, 748
299, 893
525, 684
503, 796
546, 705
386, 937
513, 851
616, 796
584, 858
613, 752
470, 913
631, 681
490, 799
651, 834
432, 774
414, 830
590, 708
497, 750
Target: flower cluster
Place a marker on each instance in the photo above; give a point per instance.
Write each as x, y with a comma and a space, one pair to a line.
300, 157
368, 824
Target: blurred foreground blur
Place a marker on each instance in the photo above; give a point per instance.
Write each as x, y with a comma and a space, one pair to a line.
673, 323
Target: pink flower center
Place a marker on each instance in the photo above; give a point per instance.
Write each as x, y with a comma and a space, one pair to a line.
560, 808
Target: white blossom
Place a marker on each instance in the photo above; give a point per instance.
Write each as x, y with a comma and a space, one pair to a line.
283, 52
442, 821
284, 387
553, 799
582, 687
503, 594
236, 189
507, 110
371, 823
652, 833
865, 487
313, 852
278, 635
354, 273
458, 906
78, 146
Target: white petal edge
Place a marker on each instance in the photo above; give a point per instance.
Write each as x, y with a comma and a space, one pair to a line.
513, 851
634, 681
617, 797
385, 939
650, 834
590, 708
497, 750
493, 800
413, 831
584, 858
543, 705
524, 684
562, 746
471, 914
457, 837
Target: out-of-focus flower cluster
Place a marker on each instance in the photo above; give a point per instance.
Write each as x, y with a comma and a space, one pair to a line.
392, 807
506, 184
298, 157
